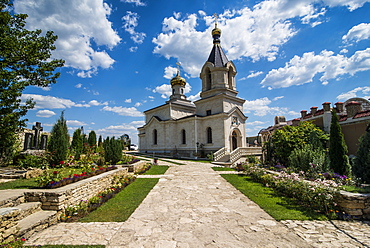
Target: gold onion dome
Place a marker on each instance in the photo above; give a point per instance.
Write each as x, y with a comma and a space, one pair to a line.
178, 80
216, 31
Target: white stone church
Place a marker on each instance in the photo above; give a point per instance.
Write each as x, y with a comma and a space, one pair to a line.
181, 128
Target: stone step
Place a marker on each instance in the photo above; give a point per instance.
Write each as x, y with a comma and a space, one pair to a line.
11, 198
20, 211
36, 222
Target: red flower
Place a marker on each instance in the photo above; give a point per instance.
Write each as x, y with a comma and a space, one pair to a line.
23, 239
61, 162
55, 172
100, 196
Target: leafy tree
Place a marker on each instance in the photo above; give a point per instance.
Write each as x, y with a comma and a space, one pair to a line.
338, 159
361, 167
285, 140
59, 141
76, 145
24, 61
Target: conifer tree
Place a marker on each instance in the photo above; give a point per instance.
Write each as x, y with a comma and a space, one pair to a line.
361, 167
59, 141
92, 140
338, 159
100, 141
76, 145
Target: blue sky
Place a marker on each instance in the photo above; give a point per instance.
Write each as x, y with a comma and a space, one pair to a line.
121, 54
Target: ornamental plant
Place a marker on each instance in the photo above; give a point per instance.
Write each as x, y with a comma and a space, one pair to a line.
338, 149
361, 167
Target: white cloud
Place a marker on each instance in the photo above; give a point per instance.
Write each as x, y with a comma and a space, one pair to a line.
278, 98
48, 88
260, 107
357, 33
45, 113
78, 86
76, 23
193, 98
254, 123
96, 103
301, 70
136, 2
170, 72
344, 50
262, 30
130, 22
138, 104
128, 100
124, 128
254, 74
133, 49
364, 92
75, 123
50, 102
123, 111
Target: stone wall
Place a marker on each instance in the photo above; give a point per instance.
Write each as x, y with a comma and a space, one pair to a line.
355, 204
58, 199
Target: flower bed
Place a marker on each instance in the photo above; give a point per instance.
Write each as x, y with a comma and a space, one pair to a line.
52, 179
318, 194
84, 207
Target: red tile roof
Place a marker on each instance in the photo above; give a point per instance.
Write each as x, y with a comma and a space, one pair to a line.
362, 114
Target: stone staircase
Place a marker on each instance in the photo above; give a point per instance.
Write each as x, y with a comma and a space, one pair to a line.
226, 158
20, 219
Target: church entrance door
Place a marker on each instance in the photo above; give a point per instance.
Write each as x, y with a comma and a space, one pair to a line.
234, 141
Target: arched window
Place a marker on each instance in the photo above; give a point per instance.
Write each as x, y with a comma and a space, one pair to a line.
183, 137
155, 137
208, 79
209, 135
182, 91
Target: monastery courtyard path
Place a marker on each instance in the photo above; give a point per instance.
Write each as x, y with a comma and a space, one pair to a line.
193, 206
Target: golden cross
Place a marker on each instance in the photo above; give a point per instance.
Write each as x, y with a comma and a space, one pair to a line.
178, 66
216, 17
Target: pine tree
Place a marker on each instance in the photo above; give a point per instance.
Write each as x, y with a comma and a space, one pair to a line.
92, 140
76, 145
361, 167
100, 141
59, 141
338, 149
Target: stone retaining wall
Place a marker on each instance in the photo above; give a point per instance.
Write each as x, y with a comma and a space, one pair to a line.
355, 204
71, 194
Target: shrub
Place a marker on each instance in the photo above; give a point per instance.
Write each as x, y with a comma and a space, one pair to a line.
76, 145
361, 167
338, 149
307, 159
59, 141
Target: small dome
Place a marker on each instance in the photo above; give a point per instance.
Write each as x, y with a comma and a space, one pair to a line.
216, 31
178, 80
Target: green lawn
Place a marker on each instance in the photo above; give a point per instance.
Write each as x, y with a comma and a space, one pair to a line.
156, 170
19, 184
120, 207
222, 169
355, 189
279, 207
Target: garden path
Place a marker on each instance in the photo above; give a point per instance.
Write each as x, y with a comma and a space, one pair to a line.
191, 206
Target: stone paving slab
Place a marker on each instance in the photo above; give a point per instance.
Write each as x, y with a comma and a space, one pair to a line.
193, 206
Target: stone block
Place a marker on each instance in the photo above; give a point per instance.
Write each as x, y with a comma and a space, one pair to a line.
351, 204
354, 212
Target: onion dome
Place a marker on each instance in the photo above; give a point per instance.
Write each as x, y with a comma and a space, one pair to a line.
178, 80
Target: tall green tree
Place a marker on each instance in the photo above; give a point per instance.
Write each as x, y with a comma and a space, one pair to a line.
24, 61
59, 141
77, 145
361, 167
92, 140
338, 159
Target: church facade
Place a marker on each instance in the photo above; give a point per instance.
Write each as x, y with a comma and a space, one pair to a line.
181, 128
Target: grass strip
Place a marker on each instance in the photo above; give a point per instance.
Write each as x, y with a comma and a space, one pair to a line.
279, 207
169, 161
120, 207
354, 189
156, 170
19, 184
222, 169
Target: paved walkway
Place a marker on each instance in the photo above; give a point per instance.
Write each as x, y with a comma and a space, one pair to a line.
192, 206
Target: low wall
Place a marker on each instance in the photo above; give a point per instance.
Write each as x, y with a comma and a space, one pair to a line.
71, 194
355, 204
